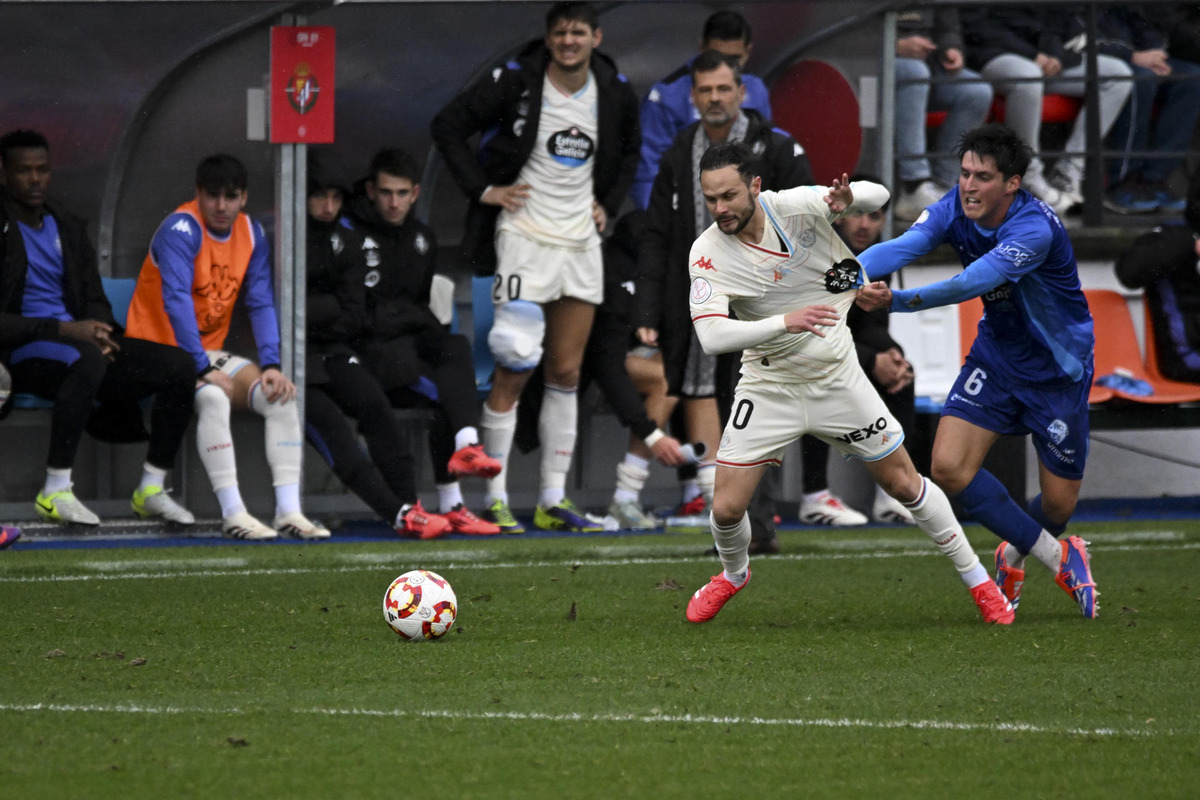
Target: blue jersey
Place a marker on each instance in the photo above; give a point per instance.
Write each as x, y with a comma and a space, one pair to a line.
1036, 329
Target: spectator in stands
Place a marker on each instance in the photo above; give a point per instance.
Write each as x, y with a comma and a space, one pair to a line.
1164, 263
668, 107
1138, 184
929, 44
61, 342
202, 257
541, 192
677, 214
339, 386
1026, 51
1030, 368
8, 534
412, 355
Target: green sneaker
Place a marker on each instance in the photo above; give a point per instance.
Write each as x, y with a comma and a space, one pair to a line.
564, 517
500, 514
64, 507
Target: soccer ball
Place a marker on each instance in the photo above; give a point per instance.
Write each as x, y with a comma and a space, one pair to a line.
420, 605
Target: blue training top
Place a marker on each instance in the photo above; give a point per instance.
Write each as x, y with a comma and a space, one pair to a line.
1036, 328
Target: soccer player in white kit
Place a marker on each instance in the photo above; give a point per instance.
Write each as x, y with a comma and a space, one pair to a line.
774, 260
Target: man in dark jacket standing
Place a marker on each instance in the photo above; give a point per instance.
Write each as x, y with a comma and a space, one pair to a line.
558, 159
414, 358
677, 215
59, 337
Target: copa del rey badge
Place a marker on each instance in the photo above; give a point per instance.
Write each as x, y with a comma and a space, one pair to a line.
302, 71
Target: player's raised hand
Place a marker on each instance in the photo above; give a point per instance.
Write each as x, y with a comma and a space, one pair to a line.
840, 196
811, 319
874, 295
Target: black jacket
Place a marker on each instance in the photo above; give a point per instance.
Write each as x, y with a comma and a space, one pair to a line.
336, 294
83, 291
1024, 31
400, 263
505, 107
662, 289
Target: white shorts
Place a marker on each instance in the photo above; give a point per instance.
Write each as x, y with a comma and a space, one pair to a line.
842, 409
539, 273
227, 362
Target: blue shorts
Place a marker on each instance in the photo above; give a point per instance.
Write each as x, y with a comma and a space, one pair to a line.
1057, 419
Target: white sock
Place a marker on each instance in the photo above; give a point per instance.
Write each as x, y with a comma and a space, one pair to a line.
1048, 550
733, 546
151, 476
283, 437
1014, 557
466, 437
706, 478
631, 478
287, 499
57, 480
691, 490
214, 441
550, 496
449, 495
933, 514
558, 425
498, 432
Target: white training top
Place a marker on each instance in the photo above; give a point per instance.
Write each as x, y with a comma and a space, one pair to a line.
761, 283
558, 211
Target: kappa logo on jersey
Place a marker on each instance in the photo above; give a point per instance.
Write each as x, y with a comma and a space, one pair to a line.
704, 263
421, 243
759, 147
862, 434
571, 147
629, 286
842, 277
183, 226
701, 290
922, 217
1015, 253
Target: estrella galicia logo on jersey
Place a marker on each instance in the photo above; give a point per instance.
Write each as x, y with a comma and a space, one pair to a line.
701, 290
372, 279
842, 277
879, 426
302, 89
1015, 253
571, 147
1057, 431
421, 243
704, 263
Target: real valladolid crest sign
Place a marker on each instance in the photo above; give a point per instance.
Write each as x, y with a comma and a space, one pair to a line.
302, 80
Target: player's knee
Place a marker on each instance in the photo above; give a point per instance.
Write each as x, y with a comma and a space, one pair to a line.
949, 475
1059, 509
516, 335
212, 404
268, 410
726, 513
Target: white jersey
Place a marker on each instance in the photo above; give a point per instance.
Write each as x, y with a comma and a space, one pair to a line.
558, 211
762, 282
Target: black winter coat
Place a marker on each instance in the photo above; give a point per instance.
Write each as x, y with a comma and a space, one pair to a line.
336, 294
505, 107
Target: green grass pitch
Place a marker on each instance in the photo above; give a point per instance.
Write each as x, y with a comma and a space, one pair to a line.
854, 665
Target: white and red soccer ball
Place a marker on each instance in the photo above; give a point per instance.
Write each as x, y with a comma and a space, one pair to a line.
420, 605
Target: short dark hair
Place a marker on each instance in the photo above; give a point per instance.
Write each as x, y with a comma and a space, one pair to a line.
394, 161
731, 154
21, 138
712, 60
726, 26
1011, 153
217, 173
873, 178
572, 12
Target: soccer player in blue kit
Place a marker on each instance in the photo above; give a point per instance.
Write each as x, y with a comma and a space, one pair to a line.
1030, 368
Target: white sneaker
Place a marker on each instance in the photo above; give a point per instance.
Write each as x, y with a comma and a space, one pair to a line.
156, 502
299, 526
1057, 198
1070, 191
909, 205
829, 510
889, 509
630, 516
63, 506
243, 526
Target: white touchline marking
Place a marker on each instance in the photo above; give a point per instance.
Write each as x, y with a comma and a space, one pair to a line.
430, 562
164, 563
533, 716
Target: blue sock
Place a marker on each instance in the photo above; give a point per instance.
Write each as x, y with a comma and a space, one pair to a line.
1034, 509
988, 502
